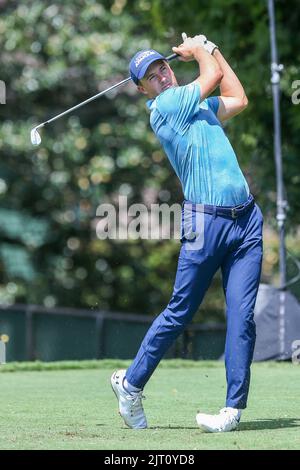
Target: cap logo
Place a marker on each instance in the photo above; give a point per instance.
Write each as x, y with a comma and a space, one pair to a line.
143, 56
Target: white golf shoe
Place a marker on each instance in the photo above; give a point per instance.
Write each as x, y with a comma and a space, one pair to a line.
227, 420
130, 404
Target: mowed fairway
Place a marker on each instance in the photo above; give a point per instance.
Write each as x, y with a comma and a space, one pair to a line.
76, 409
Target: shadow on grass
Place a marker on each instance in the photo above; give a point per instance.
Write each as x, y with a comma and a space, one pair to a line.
269, 424
173, 427
259, 424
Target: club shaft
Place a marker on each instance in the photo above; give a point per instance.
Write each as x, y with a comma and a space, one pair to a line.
170, 57
87, 101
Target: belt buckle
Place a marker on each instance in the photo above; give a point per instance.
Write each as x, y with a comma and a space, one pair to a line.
233, 213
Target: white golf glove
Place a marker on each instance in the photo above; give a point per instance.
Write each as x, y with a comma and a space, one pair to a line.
210, 47
201, 40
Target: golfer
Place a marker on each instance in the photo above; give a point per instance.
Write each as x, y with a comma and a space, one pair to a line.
188, 124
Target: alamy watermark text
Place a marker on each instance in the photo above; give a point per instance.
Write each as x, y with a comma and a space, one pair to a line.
157, 222
296, 94
2, 92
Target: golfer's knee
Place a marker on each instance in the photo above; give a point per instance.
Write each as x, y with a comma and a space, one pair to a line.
179, 318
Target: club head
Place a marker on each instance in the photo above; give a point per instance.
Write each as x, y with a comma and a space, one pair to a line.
35, 137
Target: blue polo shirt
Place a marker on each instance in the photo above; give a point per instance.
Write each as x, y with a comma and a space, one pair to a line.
198, 147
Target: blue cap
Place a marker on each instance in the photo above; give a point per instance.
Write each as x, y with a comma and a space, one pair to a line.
141, 61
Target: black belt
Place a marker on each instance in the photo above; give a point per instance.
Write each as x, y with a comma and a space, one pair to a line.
234, 212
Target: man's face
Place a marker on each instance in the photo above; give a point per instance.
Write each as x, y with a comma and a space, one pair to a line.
158, 78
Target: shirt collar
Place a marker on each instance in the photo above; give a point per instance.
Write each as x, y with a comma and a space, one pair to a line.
149, 103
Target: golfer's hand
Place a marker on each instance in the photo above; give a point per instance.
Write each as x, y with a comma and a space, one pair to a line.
210, 47
200, 39
185, 53
187, 49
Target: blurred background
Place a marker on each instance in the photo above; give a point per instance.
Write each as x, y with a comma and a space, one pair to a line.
56, 54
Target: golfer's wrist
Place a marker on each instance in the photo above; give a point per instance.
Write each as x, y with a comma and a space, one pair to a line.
210, 47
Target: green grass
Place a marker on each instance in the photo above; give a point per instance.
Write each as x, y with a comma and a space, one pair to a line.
70, 407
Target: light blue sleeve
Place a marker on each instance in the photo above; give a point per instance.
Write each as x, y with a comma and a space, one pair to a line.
179, 104
213, 103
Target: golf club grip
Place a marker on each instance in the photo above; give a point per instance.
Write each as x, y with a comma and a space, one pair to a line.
172, 57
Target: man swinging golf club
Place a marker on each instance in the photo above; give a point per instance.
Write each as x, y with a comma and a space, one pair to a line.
188, 125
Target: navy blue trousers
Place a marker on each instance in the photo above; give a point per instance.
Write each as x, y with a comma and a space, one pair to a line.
233, 244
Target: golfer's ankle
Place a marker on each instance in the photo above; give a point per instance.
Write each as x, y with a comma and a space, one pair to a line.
130, 388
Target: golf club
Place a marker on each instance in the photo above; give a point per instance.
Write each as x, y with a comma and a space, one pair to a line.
35, 136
